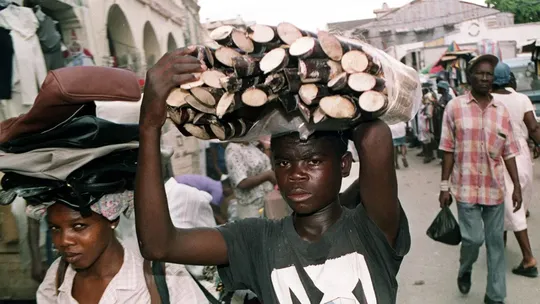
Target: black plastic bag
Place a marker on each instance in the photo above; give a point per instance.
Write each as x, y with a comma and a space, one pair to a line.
445, 228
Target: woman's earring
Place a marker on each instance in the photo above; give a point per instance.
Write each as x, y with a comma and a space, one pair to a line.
113, 227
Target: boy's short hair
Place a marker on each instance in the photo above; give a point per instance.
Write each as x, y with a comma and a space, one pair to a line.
339, 139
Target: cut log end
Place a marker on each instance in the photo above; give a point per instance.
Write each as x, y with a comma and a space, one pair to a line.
199, 132
318, 70
199, 106
204, 119
318, 115
219, 131
339, 82
288, 33
225, 55
177, 97
255, 97
355, 62
193, 84
212, 78
338, 107
274, 60
330, 45
361, 82
302, 46
239, 127
242, 41
207, 96
308, 93
221, 33
261, 33
373, 102
225, 104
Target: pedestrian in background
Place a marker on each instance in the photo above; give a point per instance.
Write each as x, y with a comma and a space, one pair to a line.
251, 176
524, 124
478, 142
219, 190
399, 131
425, 126
215, 160
443, 88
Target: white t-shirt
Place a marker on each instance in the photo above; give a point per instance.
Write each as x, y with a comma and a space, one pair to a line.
398, 130
517, 105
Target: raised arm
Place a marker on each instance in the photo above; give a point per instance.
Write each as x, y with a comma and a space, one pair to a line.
158, 238
377, 178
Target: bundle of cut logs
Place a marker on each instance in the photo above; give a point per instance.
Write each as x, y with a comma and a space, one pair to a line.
317, 76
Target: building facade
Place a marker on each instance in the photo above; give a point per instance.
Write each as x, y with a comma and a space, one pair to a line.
420, 32
131, 34
420, 20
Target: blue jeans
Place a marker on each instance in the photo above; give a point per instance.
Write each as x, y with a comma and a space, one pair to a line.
479, 222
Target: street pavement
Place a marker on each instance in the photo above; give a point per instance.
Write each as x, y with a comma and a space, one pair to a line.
428, 273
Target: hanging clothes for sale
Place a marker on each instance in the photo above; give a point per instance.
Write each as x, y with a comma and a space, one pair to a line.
6, 63
50, 40
29, 69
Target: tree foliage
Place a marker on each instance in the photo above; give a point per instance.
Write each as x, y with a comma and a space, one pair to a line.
524, 10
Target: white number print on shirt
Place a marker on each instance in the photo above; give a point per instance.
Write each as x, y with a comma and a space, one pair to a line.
346, 278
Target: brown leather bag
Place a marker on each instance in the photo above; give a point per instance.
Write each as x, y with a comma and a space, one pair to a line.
66, 91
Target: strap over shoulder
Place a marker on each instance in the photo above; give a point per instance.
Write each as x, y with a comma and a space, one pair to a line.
61, 273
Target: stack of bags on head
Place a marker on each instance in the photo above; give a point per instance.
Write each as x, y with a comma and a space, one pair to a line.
60, 151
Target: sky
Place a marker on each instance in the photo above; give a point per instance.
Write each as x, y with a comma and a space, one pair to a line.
306, 14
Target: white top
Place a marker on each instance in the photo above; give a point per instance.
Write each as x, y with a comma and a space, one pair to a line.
398, 130
517, 104
189, 207
127, 286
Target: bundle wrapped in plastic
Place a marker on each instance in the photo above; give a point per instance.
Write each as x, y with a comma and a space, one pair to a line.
271, 80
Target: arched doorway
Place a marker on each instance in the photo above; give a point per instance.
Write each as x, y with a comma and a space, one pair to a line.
171, 43
121, 43
151, 45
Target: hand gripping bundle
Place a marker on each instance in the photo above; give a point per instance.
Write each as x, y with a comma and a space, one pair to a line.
270, 80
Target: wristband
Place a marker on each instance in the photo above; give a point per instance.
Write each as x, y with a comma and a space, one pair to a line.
445, 186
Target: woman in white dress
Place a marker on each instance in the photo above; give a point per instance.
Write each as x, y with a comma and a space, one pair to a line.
524, 125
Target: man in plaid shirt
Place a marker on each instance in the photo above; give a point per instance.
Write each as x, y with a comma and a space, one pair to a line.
478, 142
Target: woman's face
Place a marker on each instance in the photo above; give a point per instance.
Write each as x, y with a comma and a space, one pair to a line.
80, 241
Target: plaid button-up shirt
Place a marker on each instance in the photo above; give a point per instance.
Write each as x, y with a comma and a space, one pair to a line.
480, 140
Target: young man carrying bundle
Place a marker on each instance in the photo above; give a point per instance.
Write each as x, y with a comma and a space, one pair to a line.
322, 252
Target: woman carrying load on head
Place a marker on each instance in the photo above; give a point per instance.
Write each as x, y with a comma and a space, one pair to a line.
95, 267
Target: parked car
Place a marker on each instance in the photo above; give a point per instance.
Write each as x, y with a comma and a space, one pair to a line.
527, 80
